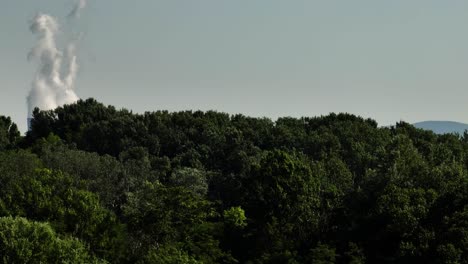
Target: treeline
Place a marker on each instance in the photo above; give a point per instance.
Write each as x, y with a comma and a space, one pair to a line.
93, 184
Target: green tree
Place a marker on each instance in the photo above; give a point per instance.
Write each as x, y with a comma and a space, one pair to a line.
47, 195
168, 254
159, 215
192, 179
234, 217
322, 254
24, 241
9, 134
282, 199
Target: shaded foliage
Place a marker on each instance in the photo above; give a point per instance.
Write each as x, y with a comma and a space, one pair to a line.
208, 187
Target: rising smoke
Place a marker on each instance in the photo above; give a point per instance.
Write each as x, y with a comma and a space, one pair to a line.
75, 13
54, 81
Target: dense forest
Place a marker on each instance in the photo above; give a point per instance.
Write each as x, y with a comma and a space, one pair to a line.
93, 184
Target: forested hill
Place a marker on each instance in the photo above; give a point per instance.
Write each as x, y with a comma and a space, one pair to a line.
93, 184
443, 127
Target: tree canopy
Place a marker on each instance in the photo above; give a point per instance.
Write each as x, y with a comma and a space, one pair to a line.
92, 183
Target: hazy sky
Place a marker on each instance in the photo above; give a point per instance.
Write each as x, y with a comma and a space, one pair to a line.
388, 60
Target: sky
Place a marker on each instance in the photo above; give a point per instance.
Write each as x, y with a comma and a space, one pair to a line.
386, 60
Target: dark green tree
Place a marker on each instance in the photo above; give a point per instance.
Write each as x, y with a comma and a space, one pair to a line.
9, 134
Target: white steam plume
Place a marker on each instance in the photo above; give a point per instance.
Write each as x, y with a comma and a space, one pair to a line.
80, 5
54, 81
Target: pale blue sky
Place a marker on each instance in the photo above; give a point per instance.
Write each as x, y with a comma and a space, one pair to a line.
388, 60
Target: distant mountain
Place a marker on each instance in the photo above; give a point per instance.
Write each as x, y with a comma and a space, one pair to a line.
442, 127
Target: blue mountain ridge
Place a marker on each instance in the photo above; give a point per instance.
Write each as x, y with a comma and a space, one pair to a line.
442, 127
